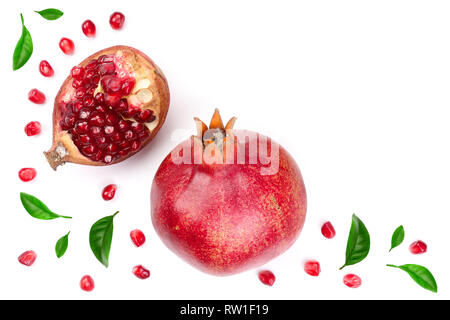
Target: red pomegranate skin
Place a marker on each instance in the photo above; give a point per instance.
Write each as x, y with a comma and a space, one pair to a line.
227, 218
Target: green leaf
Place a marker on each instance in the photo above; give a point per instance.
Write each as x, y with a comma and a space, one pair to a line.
37, 209
358, 244
24, 48
61, 245
397, 237
50, 14
421, 275
100, 238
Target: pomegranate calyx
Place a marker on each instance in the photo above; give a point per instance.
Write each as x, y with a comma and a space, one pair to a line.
216, 132
55, 156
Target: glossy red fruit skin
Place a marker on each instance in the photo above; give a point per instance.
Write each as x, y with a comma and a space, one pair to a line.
87, 283
27, 174
312, 268
27, 258
141, 272
117, 20
328, 230
138, 237
352, 281
88, 28
109, 192
36, 96
267, 277
67, 46
46, 69
33, 128
418, 247
225, 219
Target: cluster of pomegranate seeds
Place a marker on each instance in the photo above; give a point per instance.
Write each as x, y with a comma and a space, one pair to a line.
27, 258
141, 272
88, 28
328, 230
95, 121
46, 69
67, 46
418, 247
33, 128
27, 174
36, 96
266, 277
117, 20
138, 237
87, 283
109, 191
352, 281
312, 267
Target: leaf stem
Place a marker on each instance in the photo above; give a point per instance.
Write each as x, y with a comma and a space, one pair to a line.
342, 267
391, 265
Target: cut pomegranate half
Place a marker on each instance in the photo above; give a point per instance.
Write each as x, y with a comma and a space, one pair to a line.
110, 107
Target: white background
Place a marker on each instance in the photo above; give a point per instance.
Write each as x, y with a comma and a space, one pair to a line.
357, 91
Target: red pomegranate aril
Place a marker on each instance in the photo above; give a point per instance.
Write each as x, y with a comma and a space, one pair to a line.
89, 150
418, 247
98, 156
88, 28
97, 120
267, 277
100, 97
87, 283
141, 272
84, 113
109, 192
95, 79
77, 106
124, 145
107, 69
143, 135
101, 141
127, 86
90, 73
109, 130
27, 174
117, 20
352, 281
328, 230
81, 127
69, 121
111, 148
122, 105
36, 96
77, 83
77, 72
112, 100
46, 69
27, 258
312, 267
92, 65
85, 139
123, 125
105, 58
123, 153
80, 93
144, 116
138, 237
108, 159
33, 128
111, 118
67, 46
135, 145
129, 135
88, 101
137, 127
95, 131
116, 137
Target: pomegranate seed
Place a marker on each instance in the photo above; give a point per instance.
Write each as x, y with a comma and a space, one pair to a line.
67, 46
328, 230
127, 86
33, 128
46, 69
27, 258
352, 281
27, 174
141, 272
77, 72
116, 20
418, 247
87, 283
36, 96
312, 268
88, 28
267, 277
138, 237
109, 191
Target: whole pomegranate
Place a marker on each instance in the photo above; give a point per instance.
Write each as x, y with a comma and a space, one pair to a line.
226, 200
111, 106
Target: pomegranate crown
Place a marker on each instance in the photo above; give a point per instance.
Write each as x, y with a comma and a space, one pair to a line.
216, 132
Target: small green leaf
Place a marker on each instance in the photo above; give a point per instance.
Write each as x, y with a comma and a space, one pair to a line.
50, 14
421, 275
358, 244
100, 238
37, 209
61, 245
397, 237
24, 48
